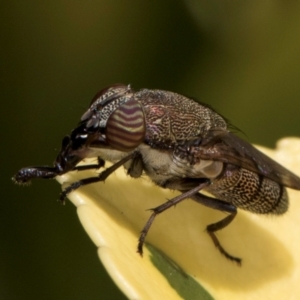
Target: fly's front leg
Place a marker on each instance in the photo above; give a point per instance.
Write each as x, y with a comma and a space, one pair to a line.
159, 209
25, 175
99, 165
101, 177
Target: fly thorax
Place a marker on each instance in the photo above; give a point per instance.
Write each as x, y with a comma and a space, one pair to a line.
157, 163
187, 166
171, 117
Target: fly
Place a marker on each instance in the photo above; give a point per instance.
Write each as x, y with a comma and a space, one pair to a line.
180, 145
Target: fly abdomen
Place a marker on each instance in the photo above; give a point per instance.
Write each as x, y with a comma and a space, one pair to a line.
250, 191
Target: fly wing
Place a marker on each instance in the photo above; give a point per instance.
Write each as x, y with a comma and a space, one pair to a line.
233, 150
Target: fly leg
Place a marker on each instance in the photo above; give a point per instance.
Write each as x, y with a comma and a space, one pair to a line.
25, 175
212, 228
185, 184
101, 177
159, 209
99, 165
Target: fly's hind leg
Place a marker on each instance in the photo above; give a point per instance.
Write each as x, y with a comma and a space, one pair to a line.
212, 228
190, 188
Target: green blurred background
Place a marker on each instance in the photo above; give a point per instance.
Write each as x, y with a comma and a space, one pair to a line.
241, 57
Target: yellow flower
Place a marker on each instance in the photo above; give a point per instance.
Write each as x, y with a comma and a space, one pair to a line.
187, 265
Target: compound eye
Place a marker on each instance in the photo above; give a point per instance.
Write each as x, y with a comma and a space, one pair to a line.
126, 127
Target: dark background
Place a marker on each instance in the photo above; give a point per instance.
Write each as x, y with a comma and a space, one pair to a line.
241, 57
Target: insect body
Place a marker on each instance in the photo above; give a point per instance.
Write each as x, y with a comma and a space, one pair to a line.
181, 145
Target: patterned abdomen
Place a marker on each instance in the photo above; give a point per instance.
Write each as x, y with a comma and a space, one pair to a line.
126, 128
250, 191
